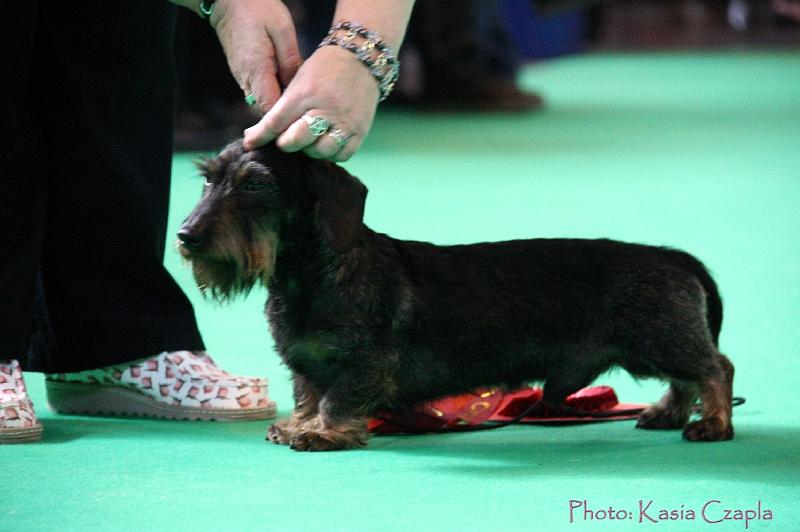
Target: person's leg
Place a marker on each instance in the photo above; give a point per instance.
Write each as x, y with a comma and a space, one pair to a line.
22, 201
125, 336
464, 59
108, 82
22, 214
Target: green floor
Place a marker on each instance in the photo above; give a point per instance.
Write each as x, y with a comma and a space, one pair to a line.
698, 151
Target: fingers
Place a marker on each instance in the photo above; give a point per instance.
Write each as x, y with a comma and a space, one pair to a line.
304, 131
287, 54
347, 150
277, 120
324, 148
317, 90
265, 84
296, 137
328, 145
260, 43
265, 87
335, 145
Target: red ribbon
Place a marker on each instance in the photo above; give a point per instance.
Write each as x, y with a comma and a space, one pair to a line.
492, 404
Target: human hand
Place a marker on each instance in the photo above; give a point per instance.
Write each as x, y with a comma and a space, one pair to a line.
332, 84
260, 43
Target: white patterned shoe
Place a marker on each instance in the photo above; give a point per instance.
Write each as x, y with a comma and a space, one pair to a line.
176, 385
18, 421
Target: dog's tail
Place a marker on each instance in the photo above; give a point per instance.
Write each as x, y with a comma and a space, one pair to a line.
713, 299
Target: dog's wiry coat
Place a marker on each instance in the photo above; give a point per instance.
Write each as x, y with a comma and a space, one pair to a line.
367, 322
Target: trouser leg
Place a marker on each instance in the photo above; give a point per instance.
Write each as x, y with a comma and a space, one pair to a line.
107, 81
22, 179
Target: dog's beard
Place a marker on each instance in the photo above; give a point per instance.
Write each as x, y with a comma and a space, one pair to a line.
232, 268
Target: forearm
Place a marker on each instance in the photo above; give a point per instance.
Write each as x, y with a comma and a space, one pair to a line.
387, 17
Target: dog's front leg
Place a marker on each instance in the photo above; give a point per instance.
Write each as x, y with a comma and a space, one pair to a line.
327, 433
341, 422
306, 408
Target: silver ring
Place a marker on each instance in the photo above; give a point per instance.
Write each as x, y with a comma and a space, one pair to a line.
340, 137
250, 99
317, 125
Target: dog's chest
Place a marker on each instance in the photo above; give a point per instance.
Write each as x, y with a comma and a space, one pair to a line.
315, 358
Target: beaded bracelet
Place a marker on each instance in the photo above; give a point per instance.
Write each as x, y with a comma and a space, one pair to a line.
371, 51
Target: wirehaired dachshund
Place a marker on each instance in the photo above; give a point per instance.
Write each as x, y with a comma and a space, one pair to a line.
370, 323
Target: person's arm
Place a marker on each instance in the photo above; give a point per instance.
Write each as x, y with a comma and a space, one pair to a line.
260, 43
334, 84
388, 17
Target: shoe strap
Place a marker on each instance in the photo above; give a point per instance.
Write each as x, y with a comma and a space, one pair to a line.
12, 386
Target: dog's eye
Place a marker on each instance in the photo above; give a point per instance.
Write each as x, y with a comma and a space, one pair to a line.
255, 185
208, 183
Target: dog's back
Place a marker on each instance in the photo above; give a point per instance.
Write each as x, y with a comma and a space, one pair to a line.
516, 311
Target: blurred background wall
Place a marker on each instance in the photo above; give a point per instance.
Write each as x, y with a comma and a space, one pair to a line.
462, 55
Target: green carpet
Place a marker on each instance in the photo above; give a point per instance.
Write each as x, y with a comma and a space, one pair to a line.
697, 151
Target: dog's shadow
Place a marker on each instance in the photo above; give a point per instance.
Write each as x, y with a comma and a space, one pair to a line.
62, 429
767, 453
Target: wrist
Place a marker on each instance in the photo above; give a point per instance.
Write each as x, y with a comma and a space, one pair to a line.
369, 49
387, 17
347, 66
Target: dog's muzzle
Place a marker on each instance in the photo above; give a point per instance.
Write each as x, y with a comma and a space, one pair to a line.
191, 240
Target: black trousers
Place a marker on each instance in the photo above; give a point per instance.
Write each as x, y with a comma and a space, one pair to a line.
86, 111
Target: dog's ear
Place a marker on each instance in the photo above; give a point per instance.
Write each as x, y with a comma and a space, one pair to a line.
340, 203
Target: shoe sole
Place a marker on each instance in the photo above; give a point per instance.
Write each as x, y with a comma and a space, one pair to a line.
81, 399
27, 435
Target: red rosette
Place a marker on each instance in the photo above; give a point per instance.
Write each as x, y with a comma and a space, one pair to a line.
594, 399
465, 409
470, 409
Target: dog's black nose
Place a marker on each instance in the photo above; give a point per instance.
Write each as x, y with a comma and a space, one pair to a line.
191, 240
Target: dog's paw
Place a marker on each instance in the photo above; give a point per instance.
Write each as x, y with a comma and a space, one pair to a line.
313, 441
326, 440
278, 433
655, 418
708, 429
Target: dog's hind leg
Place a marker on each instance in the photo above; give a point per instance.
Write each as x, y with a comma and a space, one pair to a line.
699, 370
672, 411
716, 394
673, 342
729, 370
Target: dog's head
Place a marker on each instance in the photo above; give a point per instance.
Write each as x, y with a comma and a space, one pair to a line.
253, 200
